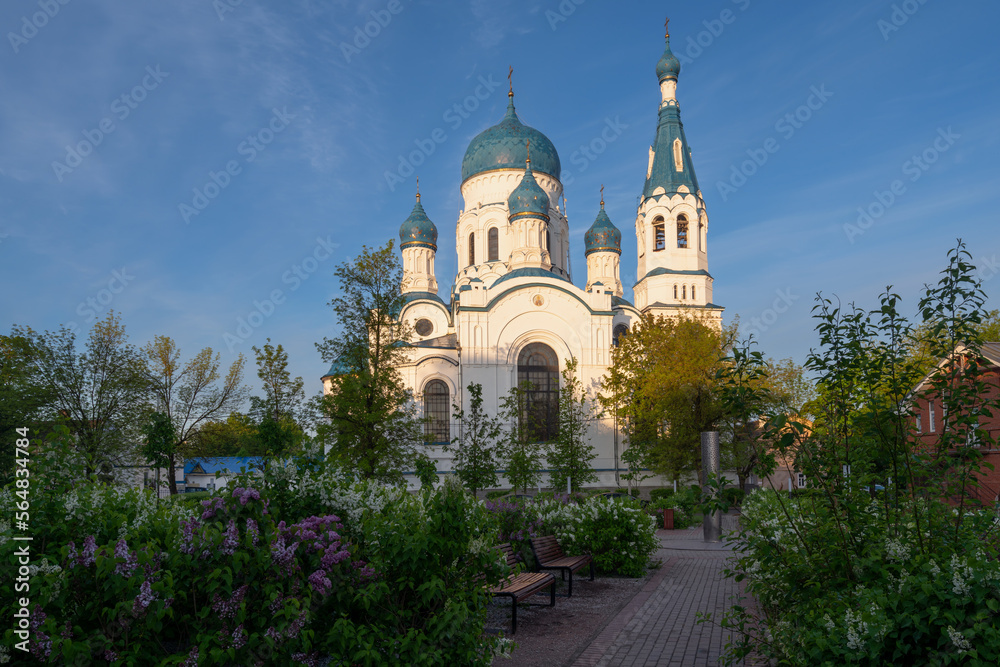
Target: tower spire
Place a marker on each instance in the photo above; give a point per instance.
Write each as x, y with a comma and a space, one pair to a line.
418, 188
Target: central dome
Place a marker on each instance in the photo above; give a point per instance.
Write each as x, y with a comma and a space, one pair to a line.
503, 147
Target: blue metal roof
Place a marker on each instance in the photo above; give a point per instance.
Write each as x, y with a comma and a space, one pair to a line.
503, 147
668, 67
602, 235
528, 199
418, 230
210, 466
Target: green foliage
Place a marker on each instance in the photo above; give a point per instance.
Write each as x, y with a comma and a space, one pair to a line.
843, 574
476, 447
571, 455
522, 454
682, 517
658, 494
615, 531
100, 393
426, 470
24, 397
161, 438
372, 422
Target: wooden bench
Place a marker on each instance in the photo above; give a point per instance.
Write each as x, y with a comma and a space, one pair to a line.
522, 586
550, 556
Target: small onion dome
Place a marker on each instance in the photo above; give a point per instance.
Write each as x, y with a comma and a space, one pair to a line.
503, 147
528, 200
417, 231
603, 236
668, 67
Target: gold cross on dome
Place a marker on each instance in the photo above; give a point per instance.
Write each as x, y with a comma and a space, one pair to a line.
666, 26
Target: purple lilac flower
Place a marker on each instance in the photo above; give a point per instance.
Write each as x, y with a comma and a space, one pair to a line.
40, 644
308, 659
89, 549
192, 659
229, 608
212, 506
245, 495
283, 556
71, 555
187, 539
231, 539
129, 563
143, 599
320, 582
253, 531
110, 655
239, 637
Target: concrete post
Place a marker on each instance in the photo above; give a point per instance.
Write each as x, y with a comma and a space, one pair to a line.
710, 460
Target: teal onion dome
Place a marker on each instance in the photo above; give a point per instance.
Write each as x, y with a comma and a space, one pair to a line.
503, 147
668, 67
528, 199
603, 236
417, 231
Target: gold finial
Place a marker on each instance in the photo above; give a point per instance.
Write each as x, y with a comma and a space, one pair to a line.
510, 81
602, 196
666, 27
528, 145
418, 188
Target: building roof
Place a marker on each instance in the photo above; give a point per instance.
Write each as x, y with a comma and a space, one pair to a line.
990, 352
602, 236
418, 230
212, 465
668, 66
503, 147
528, 199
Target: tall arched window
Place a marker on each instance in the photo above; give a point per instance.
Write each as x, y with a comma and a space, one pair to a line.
659, 240
538, 365
675, 291
493, 245
548, 241
436, 409
684, 291
682, 231
692, 292
619, 331
472, 248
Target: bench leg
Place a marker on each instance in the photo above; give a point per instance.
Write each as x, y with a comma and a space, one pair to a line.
591, 570
570, 584
513, 616
552, 595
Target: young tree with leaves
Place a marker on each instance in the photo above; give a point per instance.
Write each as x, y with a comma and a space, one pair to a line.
373, 426
190, 394
279, 411
522, 454
100, 393
571, 454
26, 400
476, 447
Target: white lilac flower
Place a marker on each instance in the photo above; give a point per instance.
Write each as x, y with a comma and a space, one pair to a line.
959, 640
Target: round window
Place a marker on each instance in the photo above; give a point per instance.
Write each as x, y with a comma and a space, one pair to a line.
424, 327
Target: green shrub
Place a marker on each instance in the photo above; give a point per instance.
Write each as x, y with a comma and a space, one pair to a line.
733, 496
499, 493
657, 494
615, 531
682, 517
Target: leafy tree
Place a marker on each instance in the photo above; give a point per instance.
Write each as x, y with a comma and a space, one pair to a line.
100, 393
476, 446
372, 419
237, 436
283, 395
662, 390
25, 399
571, 454
189, 394
160, 442
522, 453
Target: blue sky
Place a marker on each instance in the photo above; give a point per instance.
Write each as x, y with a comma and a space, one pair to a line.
287, 119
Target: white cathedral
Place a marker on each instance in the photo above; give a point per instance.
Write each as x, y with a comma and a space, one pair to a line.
514, 313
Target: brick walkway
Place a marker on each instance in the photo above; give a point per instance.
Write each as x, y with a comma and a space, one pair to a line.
658, 627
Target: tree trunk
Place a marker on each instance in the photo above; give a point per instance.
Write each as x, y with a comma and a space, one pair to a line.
171, 476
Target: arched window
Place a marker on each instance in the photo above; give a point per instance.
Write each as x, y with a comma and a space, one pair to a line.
659, 240
493, 244
619, 331
678, 156
692, 292
682, 231
436, 409
675, 291
684, 291
548, 241
472, 248
538, 365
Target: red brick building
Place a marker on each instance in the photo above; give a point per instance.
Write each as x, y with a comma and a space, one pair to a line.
930, 418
